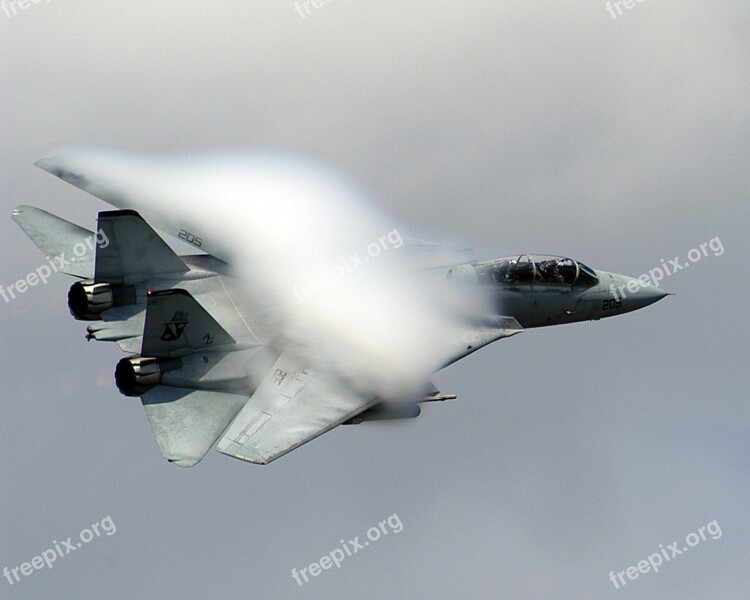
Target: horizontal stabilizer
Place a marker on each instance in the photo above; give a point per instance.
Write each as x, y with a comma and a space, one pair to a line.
59, 240
187, 422
176, 321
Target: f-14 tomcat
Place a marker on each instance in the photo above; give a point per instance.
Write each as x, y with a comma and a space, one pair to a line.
204, 355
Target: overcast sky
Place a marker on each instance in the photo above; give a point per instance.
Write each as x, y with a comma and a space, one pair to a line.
509, 126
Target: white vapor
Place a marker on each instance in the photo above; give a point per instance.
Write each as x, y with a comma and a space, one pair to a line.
307, 240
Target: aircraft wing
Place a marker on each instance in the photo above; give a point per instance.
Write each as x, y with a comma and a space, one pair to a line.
293, 405
89, 172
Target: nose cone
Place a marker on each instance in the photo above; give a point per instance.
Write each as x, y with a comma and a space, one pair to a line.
633, 293
624, 294
644, 296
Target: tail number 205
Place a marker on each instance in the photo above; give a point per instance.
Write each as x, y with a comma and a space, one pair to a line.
190, 238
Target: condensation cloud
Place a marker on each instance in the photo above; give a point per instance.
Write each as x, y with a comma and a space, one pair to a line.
334, 270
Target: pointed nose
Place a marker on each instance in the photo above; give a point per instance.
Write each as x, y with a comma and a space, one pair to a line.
644, 295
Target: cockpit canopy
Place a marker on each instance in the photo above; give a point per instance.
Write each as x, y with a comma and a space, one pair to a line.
526, 269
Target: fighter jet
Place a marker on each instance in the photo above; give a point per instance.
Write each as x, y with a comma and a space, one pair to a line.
205, 355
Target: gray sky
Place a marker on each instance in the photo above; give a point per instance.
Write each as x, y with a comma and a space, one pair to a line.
571, 452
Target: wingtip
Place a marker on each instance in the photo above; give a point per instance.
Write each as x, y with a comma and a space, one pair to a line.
234, 450
48, 163
63, 161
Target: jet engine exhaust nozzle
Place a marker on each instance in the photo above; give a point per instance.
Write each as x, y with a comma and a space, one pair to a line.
135, 376
87, 299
